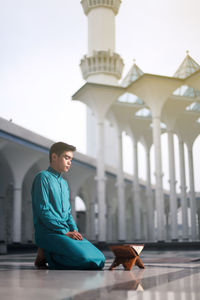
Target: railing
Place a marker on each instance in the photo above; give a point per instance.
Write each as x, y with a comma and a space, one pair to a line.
102, 62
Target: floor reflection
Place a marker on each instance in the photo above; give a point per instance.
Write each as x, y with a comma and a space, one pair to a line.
170, 281
137, 283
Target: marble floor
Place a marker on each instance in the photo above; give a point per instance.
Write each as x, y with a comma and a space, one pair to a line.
167, 276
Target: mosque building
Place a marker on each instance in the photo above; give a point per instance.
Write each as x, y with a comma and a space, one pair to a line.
117, 206
143, 105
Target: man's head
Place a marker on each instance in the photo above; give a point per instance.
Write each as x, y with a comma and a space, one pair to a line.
60, 156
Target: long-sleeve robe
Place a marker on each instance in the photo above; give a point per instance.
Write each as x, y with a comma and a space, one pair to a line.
53, 219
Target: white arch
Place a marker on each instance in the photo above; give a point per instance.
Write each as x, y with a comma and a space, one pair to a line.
79, 204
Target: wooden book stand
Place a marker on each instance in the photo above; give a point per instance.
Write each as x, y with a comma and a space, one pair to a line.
127, 255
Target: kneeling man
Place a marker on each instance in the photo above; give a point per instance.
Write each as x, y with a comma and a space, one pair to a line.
56, 234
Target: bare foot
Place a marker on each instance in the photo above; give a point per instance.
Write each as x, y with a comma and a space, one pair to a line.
40, 261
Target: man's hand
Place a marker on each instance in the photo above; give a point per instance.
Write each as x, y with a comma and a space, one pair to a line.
74, 235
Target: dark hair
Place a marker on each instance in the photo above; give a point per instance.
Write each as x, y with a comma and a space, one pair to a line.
59, 148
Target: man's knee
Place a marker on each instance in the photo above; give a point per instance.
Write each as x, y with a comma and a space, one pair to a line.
94, 261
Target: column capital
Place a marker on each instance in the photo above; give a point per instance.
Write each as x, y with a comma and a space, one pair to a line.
103, 179
183, 188
100, 122
180, 140
174, 182
169, 130
161, 175
147, 151
191, 193
136, 189
17, 188
154, 117
190, 150
135, 143
88, 5
119, 134
120, 184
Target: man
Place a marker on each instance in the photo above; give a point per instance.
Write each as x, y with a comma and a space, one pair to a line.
56, 234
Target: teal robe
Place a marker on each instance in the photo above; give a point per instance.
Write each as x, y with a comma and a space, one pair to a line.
53, 219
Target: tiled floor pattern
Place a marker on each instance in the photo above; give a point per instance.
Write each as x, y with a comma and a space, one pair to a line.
167, 276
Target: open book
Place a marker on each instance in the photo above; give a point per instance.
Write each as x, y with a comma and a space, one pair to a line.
138, 248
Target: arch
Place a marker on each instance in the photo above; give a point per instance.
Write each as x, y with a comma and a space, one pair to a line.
87, 193
79, 204
112, 208
27, 235
80, 213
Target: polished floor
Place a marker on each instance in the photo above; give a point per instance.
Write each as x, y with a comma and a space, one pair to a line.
167, 276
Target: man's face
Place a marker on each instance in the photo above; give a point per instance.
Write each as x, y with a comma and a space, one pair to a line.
62, 162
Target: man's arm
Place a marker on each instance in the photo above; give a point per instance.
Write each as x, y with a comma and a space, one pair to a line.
71, 221
73, 233
40, 199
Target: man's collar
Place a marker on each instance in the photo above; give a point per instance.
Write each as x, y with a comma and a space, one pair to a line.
53, 171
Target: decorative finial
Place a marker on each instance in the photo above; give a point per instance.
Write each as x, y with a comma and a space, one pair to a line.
187, 52
134, 60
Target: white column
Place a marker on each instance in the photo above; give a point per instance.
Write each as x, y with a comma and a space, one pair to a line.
109, 223
172, 181
159, 179
92, 220
149, 196
192, 194
144, 224
136, 195
121, 194
17, 214
184, 206
87, 222
101, 183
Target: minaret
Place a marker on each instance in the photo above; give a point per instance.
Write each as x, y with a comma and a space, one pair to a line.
101, 64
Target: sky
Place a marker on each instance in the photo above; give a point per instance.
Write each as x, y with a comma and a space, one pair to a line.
42, 42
